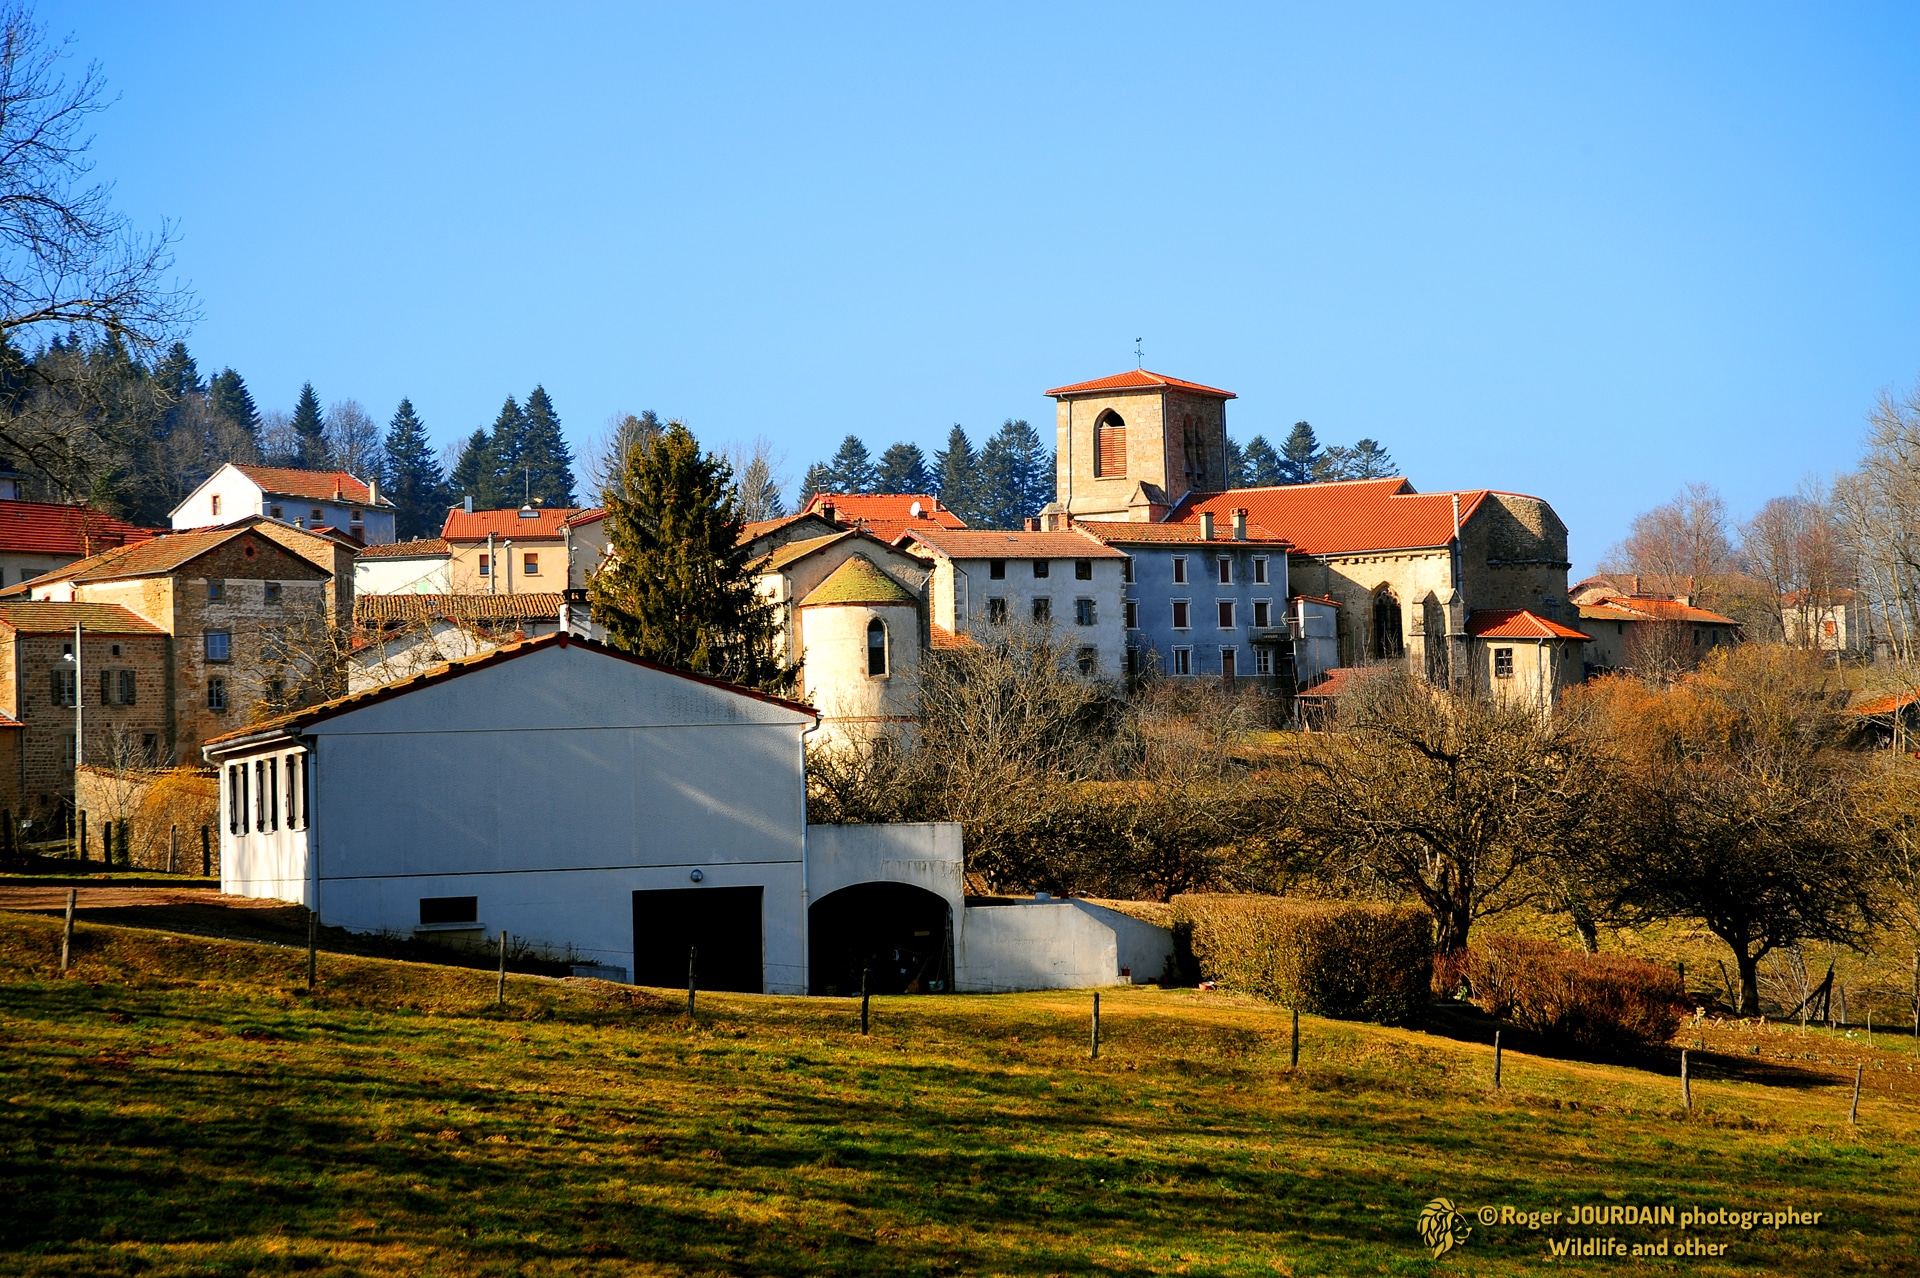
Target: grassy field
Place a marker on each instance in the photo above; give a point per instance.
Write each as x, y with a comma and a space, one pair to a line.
177, 1104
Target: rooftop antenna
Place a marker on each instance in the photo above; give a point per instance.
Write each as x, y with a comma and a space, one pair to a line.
526, 506
1139, 360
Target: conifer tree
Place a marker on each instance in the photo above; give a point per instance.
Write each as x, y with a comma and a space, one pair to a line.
473, 473
546, 463
412, 477
1013, 476
954, 466
310, 432
1368, 460
678, 588
1298, 455
176, 372
818, 479
1236, 464
1260, 464
903, 469
500, 482
852, 468
228, 396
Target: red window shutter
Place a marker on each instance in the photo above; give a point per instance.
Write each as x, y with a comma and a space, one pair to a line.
1113, 450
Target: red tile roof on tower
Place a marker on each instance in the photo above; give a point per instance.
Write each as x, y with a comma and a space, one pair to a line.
1351, 517
544, 521
1139, 379
1517, 623
885, 515
314, 485
53, 528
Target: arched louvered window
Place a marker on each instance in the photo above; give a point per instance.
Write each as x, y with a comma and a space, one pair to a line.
1109, 445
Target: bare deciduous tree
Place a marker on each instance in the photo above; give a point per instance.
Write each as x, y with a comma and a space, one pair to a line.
1678, 542
1793, 545
354, 439
605, 456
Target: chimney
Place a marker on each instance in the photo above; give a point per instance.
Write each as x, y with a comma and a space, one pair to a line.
1206, 525
338, 495
467, 505
1240, 525
373, 491
827, 510
1032, 523
1636, 583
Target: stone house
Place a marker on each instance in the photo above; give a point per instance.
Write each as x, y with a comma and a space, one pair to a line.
307, 499
248, 618
116, 692
1832, 621
39, 536
1628, 631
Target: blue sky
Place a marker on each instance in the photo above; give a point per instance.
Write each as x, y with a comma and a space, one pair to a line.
1590, 254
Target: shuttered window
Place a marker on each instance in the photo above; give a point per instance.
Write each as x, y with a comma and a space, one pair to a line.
1110, 446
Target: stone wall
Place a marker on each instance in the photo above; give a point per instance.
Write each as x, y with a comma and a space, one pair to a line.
1176, 441
44, 762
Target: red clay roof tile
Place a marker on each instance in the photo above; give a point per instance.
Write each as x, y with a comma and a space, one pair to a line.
1517, 623
54, 528
1351, 517
314, 485
1139, 379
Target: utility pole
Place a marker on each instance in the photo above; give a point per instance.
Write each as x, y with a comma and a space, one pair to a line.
79, 710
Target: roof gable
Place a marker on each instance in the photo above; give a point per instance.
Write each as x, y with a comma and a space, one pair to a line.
1517, 623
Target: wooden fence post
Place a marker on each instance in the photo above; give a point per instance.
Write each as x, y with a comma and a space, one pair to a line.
1094, 1051
1496, 1060
66, 938
1293, 1058
1686, 1082
1853, 1114
82, 843
500, 992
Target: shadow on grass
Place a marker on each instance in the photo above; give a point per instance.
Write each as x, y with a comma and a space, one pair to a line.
1465, 1023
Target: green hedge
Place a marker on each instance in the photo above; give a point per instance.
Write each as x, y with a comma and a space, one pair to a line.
1601, 1000
1332, 958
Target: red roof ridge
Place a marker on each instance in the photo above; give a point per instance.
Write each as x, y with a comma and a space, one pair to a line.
1139, 379
1518, 623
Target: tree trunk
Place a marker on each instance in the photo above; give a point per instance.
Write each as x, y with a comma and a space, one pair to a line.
1452, 925
1749, 981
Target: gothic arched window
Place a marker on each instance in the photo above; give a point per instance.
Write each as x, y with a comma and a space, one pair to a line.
1386, 624
1109, 445
876, 647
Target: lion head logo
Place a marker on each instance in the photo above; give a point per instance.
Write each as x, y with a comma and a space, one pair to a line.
1442, 1228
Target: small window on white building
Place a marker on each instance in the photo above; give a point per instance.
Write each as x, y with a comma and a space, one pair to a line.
273, 793
235, 804
876, 647
1503, 663
486, 564
260, 795
1041, 567
1088, 659
1183, 661
533, 564
1083, 570
996, 570
216, 503
997, 611
293, 795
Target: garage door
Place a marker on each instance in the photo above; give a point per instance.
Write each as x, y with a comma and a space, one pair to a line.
721, 923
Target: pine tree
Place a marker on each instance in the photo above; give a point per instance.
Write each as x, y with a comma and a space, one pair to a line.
819, 479
1298, 455
310, 432
473, 473
678, 586
412, 477
1260, 464
903, 469
1015, 476
954, 466
1236, 464
176, 373
1369, 460
500, 484
545, 460
227, 395
852, 468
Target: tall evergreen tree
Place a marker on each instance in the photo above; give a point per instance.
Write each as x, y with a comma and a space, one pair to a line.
1260, 464
818, 479
852, 468
176, 372
1015, 474
500, 484
546, 463
903, 469
1368, 460
229, 398
412, 477
1236, 464
1298, 455
310, 432
954, 466
473, 474
678, 587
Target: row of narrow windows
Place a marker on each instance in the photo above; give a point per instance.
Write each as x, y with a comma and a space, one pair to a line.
261, 792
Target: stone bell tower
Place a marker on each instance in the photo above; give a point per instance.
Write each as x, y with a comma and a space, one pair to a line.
1129, 447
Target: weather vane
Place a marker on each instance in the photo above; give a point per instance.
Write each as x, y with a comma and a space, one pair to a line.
1139, 360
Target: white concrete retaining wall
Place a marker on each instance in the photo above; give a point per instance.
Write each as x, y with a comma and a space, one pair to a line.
924, 854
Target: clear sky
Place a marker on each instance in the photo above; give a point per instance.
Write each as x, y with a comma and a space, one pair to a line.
1585, 253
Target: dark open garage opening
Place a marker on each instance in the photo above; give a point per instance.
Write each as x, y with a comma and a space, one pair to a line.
723, 923
903, 935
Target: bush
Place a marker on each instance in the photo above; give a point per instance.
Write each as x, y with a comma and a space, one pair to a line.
1598, 1000
1331, 958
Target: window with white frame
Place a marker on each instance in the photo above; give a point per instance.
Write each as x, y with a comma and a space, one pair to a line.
1262, 612
1260, 571
1182, 619
1503, 663
1133, 614
1224, 566
1225, 609
1229, 663
1263, 661
1179, 570
1126, 570
876, 647
1183, 661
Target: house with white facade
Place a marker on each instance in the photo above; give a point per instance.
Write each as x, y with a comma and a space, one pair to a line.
594, 805
308, 499
420, 567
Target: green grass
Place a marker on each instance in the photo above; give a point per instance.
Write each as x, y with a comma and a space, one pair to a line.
182, 1105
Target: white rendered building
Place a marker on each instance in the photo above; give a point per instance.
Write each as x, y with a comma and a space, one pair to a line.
304, 498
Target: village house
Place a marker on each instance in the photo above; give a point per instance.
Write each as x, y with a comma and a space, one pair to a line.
39, 536
420, 567
114, 686
984, 580
1636, 629
884, 515
1829, 621
531, 550
306, 499
398, 636
650, 813
249, 612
